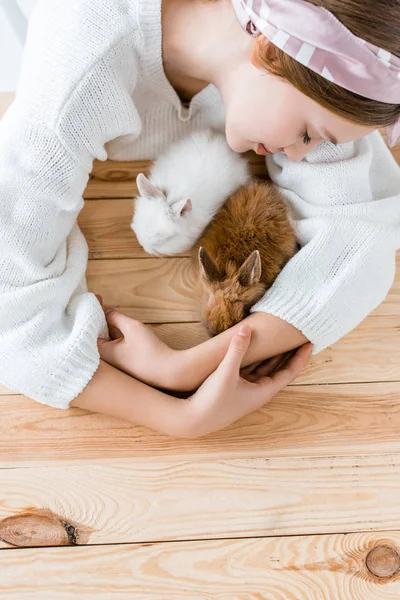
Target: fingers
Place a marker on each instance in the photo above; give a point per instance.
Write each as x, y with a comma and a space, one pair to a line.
292, 368
265, 367
273, 364
118, 323
237, 349
251, 368
110, 351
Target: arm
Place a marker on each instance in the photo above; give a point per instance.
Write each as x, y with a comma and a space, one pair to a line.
186, 370
60, 121
222, 399
345, 203
111, 392
270, 336
345, 208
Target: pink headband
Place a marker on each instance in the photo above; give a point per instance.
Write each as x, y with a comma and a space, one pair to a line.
314, 37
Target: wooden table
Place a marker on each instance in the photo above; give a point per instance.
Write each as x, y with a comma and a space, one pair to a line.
299, 501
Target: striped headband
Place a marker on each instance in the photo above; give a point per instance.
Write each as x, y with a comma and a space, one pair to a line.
317, 39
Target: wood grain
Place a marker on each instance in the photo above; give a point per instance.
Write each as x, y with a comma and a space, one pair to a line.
302, 421
144, 501
153, 290
328, 567
319, 459
106, 227
117, 179
370, 353
160, 290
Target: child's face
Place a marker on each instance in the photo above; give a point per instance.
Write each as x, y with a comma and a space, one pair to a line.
261, 108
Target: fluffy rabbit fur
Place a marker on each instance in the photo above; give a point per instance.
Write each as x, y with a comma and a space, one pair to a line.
241, 253
186, 187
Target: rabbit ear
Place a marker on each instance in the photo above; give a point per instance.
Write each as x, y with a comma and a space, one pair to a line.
208, 268
250, 271
146, 188
181, 208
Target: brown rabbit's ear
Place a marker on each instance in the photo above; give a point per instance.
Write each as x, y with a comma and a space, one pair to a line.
208, 268
146, 188
250, 271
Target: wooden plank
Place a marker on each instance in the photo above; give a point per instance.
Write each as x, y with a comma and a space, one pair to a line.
145, 501
322, 567
117, 179
153, 290
370, 353
302, 421
106, 227
391, 306
160, 290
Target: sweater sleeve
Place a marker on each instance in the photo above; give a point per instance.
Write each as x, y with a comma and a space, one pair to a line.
345, 206
71, 100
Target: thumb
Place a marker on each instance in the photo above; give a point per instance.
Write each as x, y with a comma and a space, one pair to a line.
117, 321
110, 350
237, 349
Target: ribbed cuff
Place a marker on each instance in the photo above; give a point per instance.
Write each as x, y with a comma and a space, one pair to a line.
304, 312
70, 374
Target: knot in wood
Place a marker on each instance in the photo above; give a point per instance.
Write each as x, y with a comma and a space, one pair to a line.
383, 562
37, 528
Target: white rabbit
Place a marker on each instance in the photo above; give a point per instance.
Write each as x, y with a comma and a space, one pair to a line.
186, 187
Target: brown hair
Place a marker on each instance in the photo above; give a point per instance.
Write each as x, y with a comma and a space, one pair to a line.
377, 22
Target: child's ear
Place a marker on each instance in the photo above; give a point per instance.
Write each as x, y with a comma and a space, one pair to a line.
146, 188
250, 271
181, 208
208, 268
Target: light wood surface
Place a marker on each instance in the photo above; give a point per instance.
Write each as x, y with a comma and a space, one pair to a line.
377, 338
146, 501
302, 421
161, 289
257, 511
332, 567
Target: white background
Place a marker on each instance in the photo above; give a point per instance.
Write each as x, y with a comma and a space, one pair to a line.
11, 45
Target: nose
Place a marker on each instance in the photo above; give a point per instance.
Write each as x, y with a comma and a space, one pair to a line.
297, 152
293, 156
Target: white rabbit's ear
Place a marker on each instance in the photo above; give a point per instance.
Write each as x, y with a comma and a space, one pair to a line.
250, 271
181, 208
146, 188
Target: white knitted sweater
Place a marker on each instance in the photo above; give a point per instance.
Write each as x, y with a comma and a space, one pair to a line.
92, 86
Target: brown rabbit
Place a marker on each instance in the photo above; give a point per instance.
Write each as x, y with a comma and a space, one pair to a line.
240, 254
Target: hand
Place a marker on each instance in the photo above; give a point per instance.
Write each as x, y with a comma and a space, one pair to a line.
265, 367
225, 396
137, 351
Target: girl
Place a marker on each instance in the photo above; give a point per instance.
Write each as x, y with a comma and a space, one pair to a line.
306, 83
